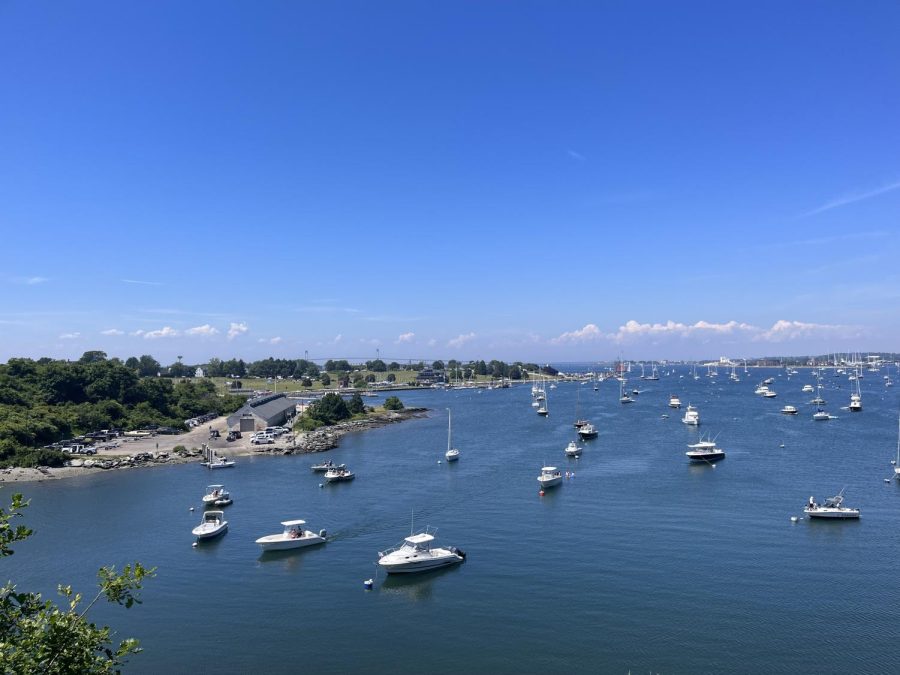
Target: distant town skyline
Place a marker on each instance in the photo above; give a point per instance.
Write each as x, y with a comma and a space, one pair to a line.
542, 182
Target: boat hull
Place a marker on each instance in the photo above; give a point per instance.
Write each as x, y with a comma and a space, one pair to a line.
421, 564
833, 514
277, 542
550, 482
202, 532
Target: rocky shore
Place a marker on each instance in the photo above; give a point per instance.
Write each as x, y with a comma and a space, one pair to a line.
146, 455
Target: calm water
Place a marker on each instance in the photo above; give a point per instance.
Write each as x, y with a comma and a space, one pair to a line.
641, 562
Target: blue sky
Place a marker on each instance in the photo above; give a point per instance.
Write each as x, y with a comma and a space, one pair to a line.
530, 180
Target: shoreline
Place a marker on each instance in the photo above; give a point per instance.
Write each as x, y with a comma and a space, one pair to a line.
307, 442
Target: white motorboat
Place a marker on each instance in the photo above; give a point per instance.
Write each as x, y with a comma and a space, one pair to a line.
761, 390
704, 451
769, 380
549, 477
293, 536
572, 449
807, 388
832, 508
769, 394
452, 454
416, 554
212, 525
821, 416
587, 430
789, 410
338, 475
322, 467
691, 416
674, 401
216, 495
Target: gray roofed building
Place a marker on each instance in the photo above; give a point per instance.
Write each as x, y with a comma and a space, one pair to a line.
264, 411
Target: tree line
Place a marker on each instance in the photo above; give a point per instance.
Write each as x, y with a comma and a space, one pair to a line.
45, 401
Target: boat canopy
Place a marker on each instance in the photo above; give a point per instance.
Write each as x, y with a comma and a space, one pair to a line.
548, 469
292, 523
214, 487
418, 539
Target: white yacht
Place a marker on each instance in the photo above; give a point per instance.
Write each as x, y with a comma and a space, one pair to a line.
549, 477
416, 554
452, 453
807, 389
572, 449
821, 416
338, 475
761, 389
212, 525
322, 467
216, 495
704, 451
832, 508
769, 394
789, 410
691, 416
587, 430
293, 536
674, 401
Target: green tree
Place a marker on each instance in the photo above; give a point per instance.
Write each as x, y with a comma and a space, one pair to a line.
329, 409
92, 357
325, 379
376, 366
391, 377
37, 636
437, 365
356, 405
393, 403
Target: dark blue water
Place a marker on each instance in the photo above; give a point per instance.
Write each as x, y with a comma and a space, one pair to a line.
640, 563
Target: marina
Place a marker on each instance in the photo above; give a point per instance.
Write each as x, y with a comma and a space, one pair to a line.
632, 572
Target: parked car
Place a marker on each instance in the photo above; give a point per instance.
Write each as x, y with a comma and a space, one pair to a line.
262, 440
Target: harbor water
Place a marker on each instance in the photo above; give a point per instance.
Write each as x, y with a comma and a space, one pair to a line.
638, 562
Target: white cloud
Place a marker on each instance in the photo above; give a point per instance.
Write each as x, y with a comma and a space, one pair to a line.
852, 198
30, 281
338, 338
164, 332
70, 336
633, 329
141, 283
460, 340
782, 331
136, 333
236, 329
589, 332
575, 155
112, 331
406, 337
270, 341
432, 342
205, 329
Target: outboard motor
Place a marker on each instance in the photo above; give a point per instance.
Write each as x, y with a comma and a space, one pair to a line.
322, 533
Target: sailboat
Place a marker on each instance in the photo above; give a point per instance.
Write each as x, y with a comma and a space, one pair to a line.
896, 462
543, 410
452, 453
820, 415
578, 421
654, 374
623, 395
856, 400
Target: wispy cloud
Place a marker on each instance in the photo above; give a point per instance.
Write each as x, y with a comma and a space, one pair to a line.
70, 336
576, 155
164, 332
852, 198
784, 331
30, 281
405, 337
460, 340
204, 330
270, 341
112, 331
142, 283
236, 329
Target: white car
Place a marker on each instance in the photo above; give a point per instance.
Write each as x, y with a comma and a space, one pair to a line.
262, 440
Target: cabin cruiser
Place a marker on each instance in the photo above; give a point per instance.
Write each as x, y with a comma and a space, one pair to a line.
789, 410
587, 430
761, 390
416, 554
691, 416
807, 388
216, 495
674, 401
832, 508
338, 475
293, 536
704, 451
572, 449
549, 477
769, 394
212, 525
580, 423
855, 403
325, 466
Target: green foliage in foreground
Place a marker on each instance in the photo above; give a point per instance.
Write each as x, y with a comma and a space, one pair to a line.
37, 636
